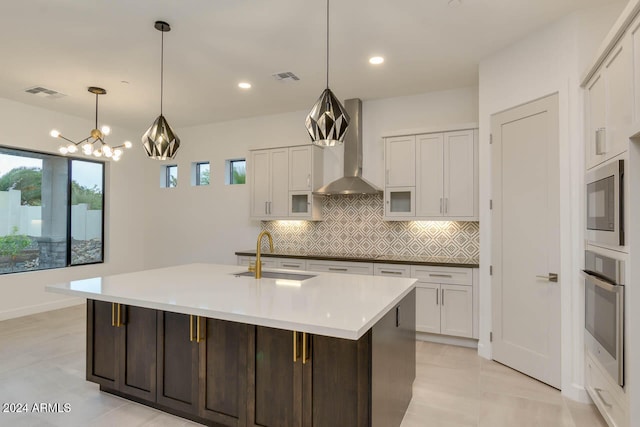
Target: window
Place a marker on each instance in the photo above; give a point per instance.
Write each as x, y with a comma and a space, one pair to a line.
51, 211
169, 177
202, 173
235, 171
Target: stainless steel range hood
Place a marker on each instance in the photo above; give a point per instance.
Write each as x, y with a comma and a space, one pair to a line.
352, 182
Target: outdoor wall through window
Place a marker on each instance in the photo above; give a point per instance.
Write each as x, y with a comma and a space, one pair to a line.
51, 211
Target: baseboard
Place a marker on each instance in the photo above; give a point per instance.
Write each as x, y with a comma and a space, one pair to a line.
40, 308
578, 393
484, 350
446, 339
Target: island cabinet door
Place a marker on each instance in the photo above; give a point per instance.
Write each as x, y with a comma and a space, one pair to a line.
177, 370
336, 381
102, 336
275, 378
223, 372
137, 358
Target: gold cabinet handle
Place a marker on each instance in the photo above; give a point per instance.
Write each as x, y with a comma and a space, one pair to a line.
116, 315
295, 346
199, 337
304, 348
191, 328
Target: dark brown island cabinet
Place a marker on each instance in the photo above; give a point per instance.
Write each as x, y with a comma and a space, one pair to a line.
222, 373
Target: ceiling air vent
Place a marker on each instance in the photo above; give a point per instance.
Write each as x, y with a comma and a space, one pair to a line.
43, 92
286, 77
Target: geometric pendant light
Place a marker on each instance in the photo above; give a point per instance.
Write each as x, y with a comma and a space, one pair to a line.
159, 141
328, 121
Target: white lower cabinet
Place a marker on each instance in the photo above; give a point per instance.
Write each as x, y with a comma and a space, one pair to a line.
428, 307
444, 300
605, 393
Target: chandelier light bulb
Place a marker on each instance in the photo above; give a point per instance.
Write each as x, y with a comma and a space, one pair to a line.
63, 150
54, 133
116, 158
107, 150
97, 153
72, 148
117, 153
105, 130
127, 144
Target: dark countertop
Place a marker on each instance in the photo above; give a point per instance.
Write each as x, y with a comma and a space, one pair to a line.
380, 259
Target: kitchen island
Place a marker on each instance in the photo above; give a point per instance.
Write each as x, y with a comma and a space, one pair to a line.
198, 341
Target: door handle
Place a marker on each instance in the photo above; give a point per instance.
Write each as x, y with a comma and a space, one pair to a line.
305, 352
440, 275
437, 293
390, 272
446, 205
442, 299
552, 277
441, 205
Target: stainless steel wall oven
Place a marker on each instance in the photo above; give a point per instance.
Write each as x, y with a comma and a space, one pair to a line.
604, 312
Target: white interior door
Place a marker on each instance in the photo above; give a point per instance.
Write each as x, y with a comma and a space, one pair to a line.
525, 239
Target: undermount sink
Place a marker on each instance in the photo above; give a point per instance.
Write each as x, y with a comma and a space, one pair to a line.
276, 275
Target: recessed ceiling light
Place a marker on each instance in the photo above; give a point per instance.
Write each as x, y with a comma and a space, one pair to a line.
244, 85
376, 60
455, 2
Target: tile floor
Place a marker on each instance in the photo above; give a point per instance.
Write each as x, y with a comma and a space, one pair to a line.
42, 359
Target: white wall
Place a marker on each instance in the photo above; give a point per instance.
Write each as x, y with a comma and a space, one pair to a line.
550, 61
208, 224
28, 127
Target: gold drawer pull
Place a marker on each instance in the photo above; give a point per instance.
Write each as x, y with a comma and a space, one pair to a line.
295, 346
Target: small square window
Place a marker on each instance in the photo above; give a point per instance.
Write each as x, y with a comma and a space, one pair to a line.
236, 171
169, 176
202, 173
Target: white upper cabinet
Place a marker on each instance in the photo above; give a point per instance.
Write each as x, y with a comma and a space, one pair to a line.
269, 181
430, 177
300, 168
635, 46
460, 170
445, 170
282, 180
610, 104
400, 167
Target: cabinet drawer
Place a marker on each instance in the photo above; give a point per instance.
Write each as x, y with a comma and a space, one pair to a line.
340, 267
446, 275
266, 262
291, 263
392, 270
607, 395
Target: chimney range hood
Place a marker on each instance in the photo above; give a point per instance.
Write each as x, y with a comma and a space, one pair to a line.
352, 182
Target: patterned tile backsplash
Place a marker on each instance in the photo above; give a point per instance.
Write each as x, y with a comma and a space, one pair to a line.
354, 225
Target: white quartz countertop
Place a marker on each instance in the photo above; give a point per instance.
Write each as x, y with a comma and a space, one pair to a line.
331, 304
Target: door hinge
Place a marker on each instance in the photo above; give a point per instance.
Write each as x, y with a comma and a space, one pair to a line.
490, 336
491, 270
490, 204
490, 138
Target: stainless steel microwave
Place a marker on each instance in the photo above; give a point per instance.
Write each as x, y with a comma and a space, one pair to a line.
605, 204
604, 312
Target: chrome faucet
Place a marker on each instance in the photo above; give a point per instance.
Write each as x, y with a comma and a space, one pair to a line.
257, 268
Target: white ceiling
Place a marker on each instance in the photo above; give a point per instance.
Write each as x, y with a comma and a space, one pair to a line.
68, 45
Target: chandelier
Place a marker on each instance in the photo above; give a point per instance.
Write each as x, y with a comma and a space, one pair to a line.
94, 144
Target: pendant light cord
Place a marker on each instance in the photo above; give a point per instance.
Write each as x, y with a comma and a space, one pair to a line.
96, 111
327, 44
161, 70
